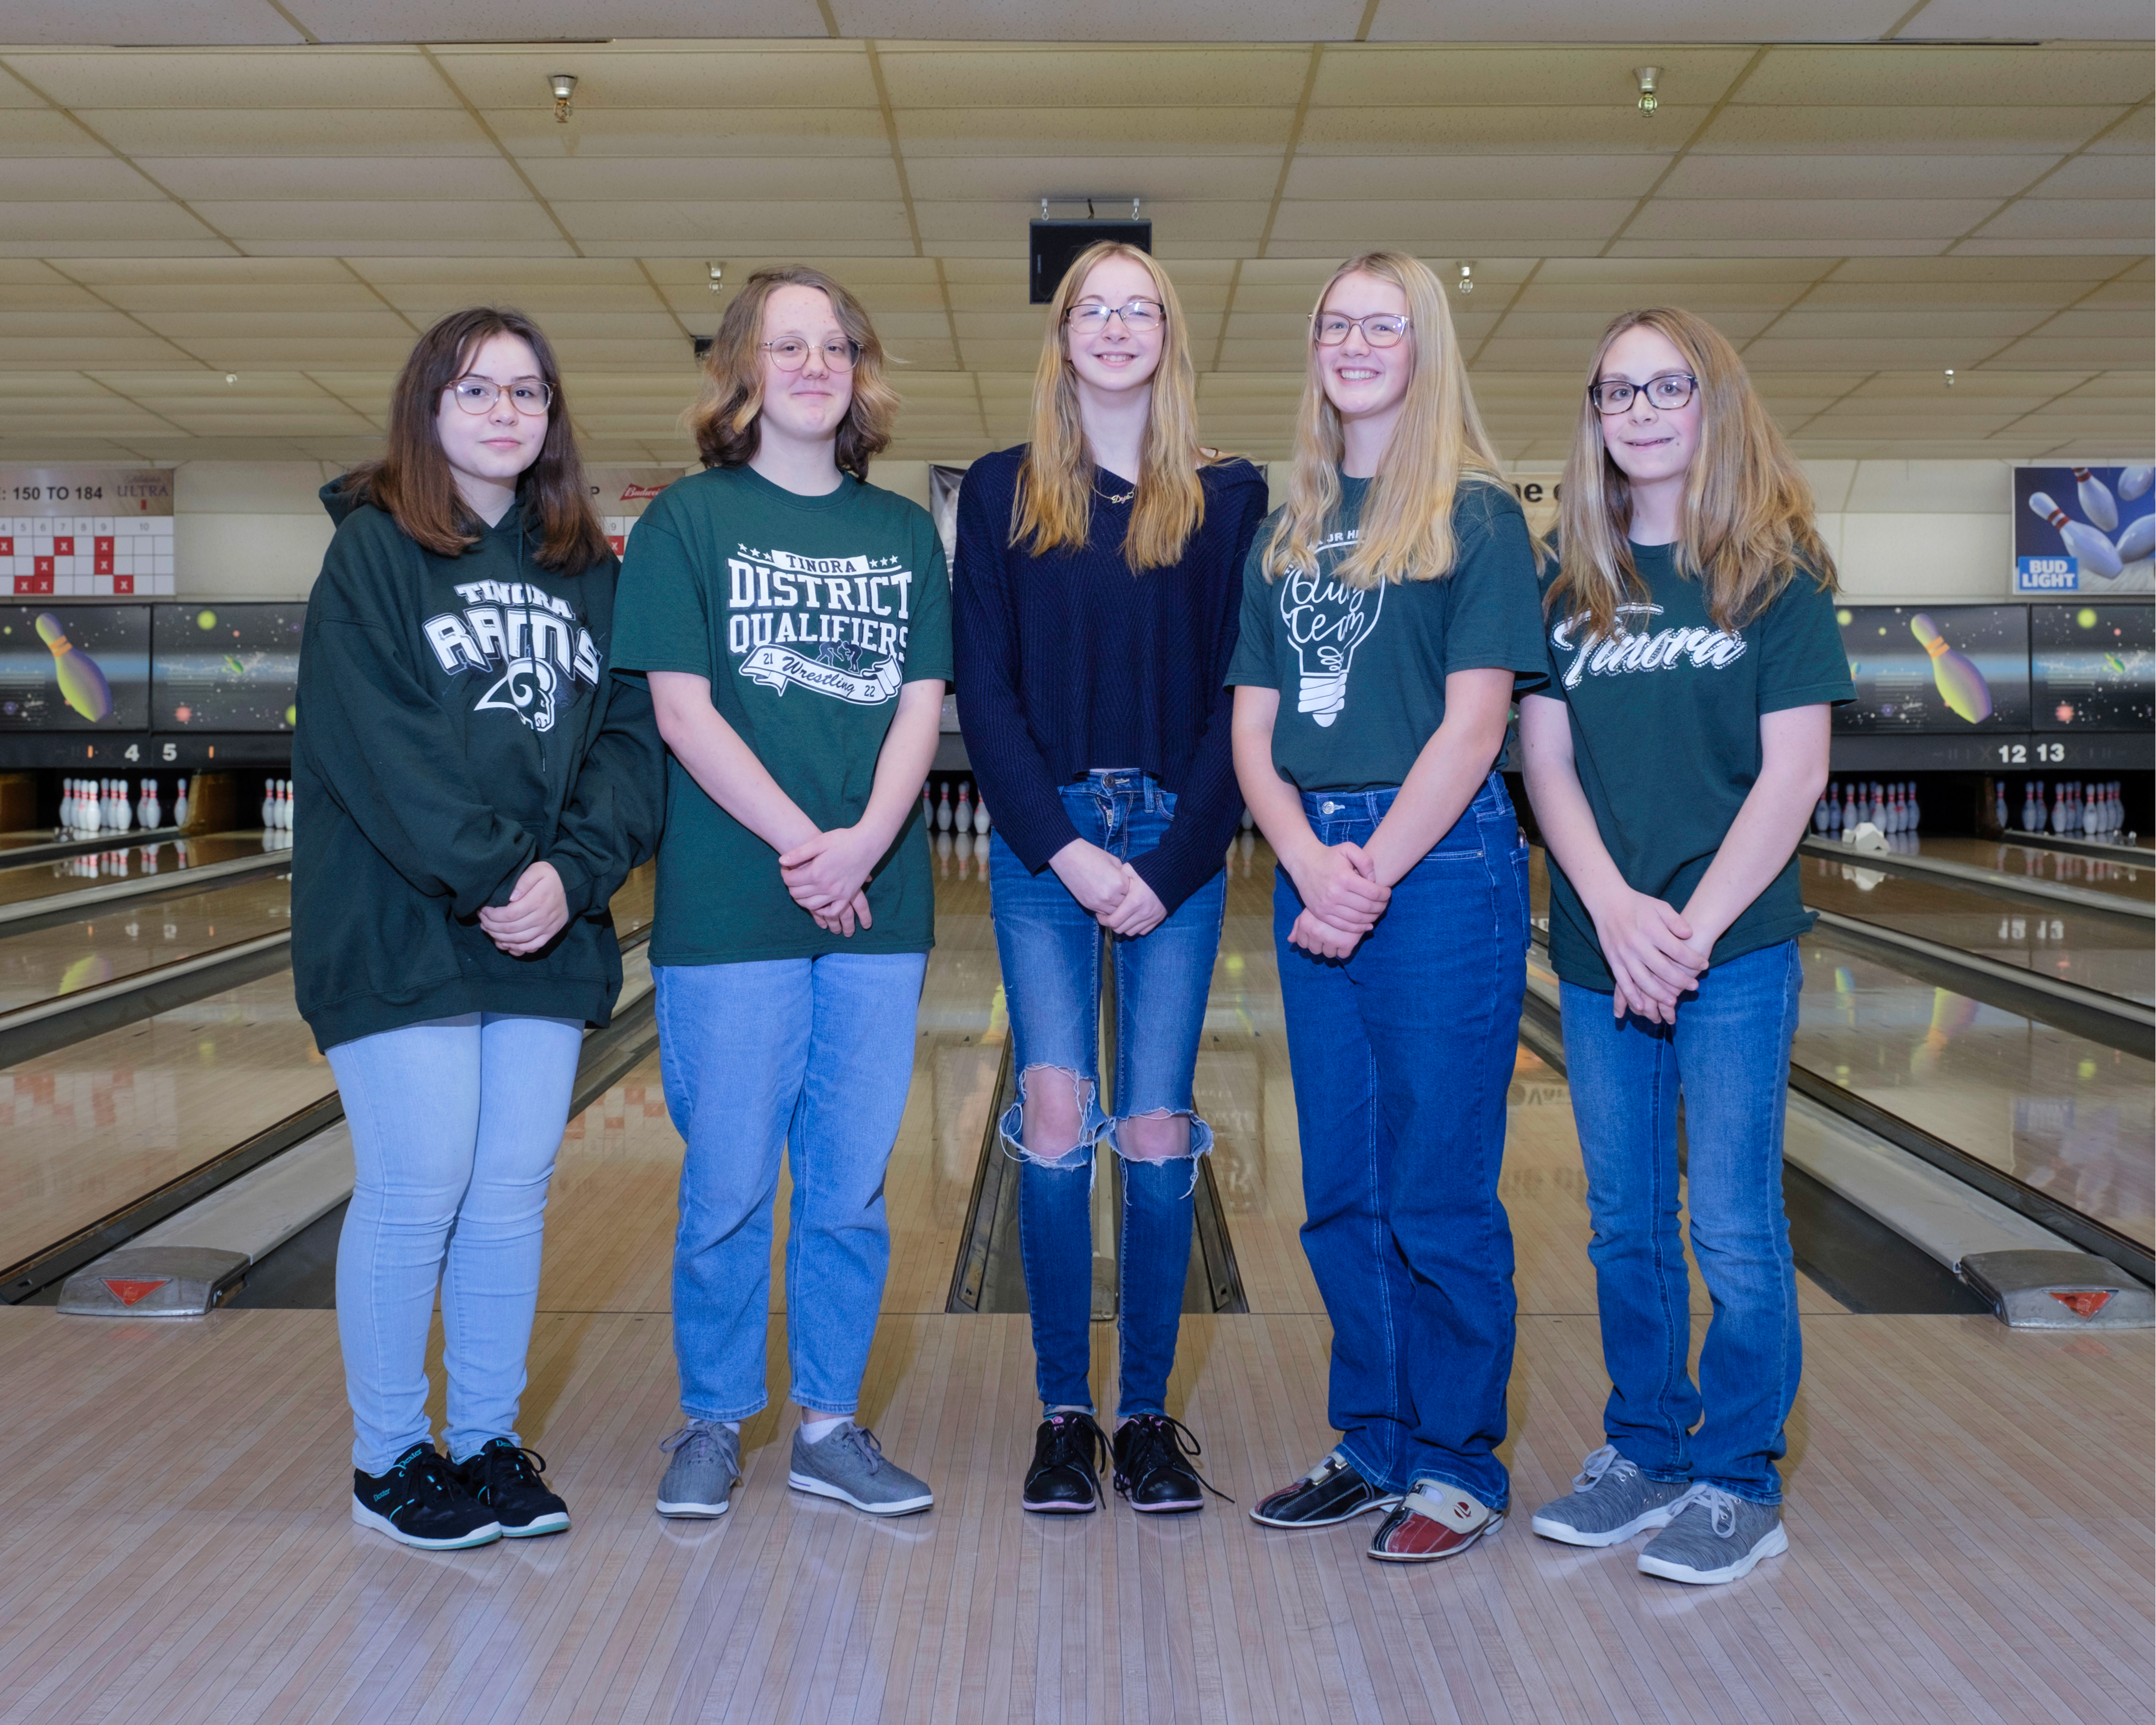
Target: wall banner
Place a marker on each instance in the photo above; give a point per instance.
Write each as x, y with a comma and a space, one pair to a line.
2083, 530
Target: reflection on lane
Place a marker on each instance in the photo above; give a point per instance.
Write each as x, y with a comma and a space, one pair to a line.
2095, 951
134, 937
2130, 873
123, 862
2066, 1115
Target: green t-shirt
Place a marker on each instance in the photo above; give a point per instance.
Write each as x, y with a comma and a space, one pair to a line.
807, 615
1666, 737
1361, 674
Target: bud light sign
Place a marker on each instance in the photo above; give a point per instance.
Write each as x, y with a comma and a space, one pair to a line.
2083, 530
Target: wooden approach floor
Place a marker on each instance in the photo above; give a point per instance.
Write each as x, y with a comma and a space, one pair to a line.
1969, 1507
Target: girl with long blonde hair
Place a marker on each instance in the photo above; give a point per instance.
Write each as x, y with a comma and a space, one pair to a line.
1674, 760
1095, 595
1388, 615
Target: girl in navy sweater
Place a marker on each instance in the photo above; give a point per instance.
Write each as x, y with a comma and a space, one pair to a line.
1096, 602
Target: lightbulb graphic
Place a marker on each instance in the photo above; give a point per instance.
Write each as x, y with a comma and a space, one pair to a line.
1326, 621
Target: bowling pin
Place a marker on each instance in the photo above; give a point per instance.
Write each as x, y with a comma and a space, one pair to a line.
284, 809
1999, 807
1818, 814
943, 809
180, 806
152, 811
927, 807
121, 806
2132, 482
1961, 685
82, 684
1833, 810
1251, 820
268, 804
962, 818
2097, 503
2083, 540
2139, 541
1849, 809
981, 816
1916, 809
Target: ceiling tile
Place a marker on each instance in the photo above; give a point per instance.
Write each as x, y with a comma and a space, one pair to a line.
67, 22
241, 79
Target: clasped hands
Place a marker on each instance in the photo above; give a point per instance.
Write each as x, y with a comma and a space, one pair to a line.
1655, 954
1113, 893
1342, 899
828, 875
537, 909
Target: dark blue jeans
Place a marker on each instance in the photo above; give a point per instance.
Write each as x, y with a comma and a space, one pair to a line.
1050, 949
1402, 1054
1728, 1055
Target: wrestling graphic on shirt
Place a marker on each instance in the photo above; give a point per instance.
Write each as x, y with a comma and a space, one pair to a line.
834, 625
1326, 621
1636, 644
536, 645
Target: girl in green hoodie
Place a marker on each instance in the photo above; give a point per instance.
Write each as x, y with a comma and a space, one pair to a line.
476, 786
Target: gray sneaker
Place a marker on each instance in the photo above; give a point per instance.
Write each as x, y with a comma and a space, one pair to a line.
848, 1464
1714, 1536
705, 1468
1609, 1502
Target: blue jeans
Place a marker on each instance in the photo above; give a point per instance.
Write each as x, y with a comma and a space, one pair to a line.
812, 1057
1728, 1055
1050, 949
454, 1125
1402, 1054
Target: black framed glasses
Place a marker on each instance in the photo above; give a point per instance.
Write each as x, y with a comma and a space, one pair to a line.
1669, 392
1092, 318
1380, 329
791, 353
477, 395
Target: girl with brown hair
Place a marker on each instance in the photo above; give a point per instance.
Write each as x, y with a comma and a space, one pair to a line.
1096, 592
1674, 760
794, 623
476, 786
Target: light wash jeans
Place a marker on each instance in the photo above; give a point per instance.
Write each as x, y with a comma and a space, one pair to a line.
1728, 1054
454, 1125
812, 1057
1050, 950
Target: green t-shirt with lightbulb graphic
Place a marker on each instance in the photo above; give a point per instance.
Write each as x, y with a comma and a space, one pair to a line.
1361, 674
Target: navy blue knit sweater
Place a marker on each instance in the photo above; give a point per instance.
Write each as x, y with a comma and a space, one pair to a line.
1069, 661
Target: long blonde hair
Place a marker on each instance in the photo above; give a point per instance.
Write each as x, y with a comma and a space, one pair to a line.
1748, 525
1405, 531
1055, 502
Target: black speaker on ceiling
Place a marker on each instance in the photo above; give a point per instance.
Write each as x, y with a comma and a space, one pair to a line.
1053, 247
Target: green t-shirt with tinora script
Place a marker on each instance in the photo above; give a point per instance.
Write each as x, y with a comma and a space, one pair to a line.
807, 615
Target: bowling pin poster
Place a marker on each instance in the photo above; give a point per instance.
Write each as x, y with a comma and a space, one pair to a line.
2080, 531
68, 667
1942, 669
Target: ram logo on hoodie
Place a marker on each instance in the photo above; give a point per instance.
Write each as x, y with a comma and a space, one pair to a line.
537, 641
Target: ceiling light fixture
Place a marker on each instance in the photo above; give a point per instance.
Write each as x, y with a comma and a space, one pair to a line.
718, 276
1467, 283
1649, 76
564, 85
1949, 376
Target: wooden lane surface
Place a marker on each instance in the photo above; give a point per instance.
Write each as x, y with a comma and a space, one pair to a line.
2129, 873
124, 861
134, 935
91, 1127
1967, 1515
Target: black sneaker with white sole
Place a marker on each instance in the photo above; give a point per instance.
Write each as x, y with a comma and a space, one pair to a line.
505, 1479
1330, 1493
422, 1502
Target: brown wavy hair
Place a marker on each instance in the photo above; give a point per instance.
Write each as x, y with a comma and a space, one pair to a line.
414, 485
1055, 502
725, 418
1749, 518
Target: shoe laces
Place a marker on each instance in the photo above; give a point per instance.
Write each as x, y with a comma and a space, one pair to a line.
425, 1472
699, 1437
523, 1466
1157, 1441
864, 1444
1721, 1507
1075, 1441
1604, 1461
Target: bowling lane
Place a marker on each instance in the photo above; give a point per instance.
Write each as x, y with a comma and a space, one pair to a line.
2063, 1114
26, 882
136, 936
2130, 874
2094, 951
92, 1127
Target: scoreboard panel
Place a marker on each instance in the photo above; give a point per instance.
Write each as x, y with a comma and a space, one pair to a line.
86, 556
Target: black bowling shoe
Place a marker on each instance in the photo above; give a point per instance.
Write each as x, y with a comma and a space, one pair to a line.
1064, 1478
422, 1502
506, 1480
1330, 1493
1153, 1465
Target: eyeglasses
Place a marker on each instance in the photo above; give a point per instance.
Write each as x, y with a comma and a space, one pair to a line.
791, 354
1138, 315
1380, 329
1669, 392
477, 395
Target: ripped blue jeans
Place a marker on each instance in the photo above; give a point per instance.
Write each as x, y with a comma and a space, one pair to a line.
1051, 954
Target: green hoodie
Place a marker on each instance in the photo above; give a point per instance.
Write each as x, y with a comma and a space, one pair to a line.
457, 723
